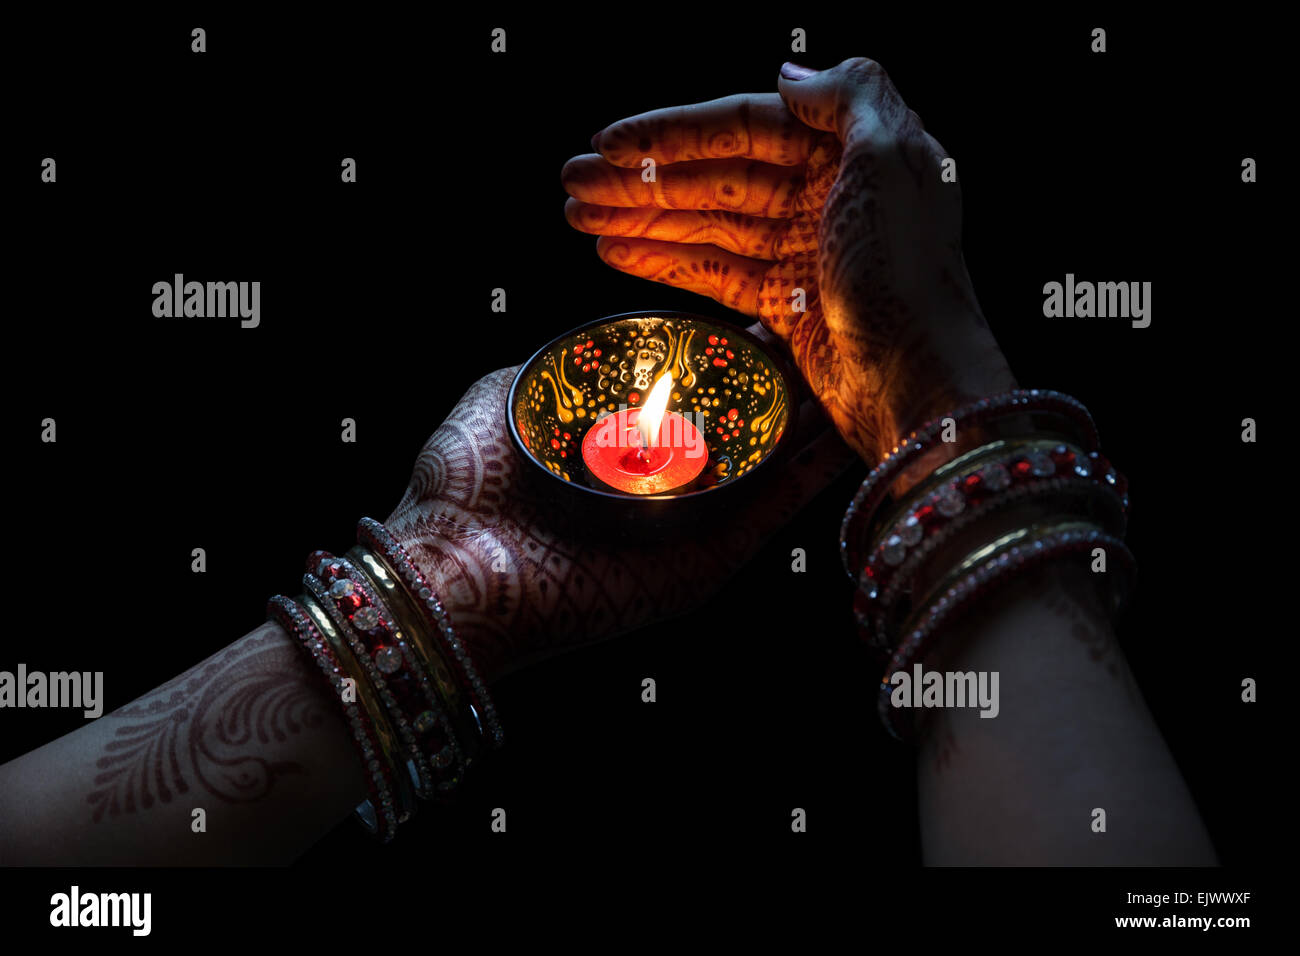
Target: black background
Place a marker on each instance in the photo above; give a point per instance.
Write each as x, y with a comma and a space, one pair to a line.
175, 434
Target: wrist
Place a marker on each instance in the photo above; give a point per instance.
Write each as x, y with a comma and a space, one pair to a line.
960, 362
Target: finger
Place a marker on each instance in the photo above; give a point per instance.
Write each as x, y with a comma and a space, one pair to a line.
705, 270
854, 98
736, 185
750, 236
749, 125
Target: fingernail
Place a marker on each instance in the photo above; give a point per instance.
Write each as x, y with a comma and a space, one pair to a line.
793, 71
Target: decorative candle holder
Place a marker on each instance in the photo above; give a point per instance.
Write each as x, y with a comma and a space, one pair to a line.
575, 407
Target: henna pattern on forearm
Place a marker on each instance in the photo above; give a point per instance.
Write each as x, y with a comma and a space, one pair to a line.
213, 729
1071, 598
938, 742
1076, 602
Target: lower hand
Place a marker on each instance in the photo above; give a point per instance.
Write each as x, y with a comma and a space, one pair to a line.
520, 584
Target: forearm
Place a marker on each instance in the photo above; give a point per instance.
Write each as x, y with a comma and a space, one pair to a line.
1073, 735
251, 736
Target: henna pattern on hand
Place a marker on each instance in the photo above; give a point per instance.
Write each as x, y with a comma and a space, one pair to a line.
846, 202
209, 728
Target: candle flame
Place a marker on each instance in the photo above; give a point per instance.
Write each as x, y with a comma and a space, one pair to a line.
652, 412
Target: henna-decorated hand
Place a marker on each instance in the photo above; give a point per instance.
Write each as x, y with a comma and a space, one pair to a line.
522, 583
832, 187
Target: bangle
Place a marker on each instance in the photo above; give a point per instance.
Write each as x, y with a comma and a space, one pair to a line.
883, 599
1031, 473
381, 541
1055, 408
344, 599
376, 813
458, 723
990, 467
407, 689
981, 573
390, 746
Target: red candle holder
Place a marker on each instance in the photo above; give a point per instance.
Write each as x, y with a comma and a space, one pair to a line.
576, 406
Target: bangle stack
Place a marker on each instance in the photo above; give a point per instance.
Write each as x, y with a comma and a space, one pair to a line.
1037, 489
418, 711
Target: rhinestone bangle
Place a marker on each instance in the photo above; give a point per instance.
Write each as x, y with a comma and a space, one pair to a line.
381, 541
390, 745
881, 600
405, 685
985, 485
855, 529
461, 725
341, 600
377, 813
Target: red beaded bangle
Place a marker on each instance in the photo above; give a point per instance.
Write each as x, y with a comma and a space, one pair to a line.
406, 690
959, 502
340, 605
381, 541
377, 813
854, 531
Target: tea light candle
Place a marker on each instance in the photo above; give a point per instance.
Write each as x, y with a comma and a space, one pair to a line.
645, 407
646, 450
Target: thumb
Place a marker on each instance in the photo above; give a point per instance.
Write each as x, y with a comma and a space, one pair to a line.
826, 99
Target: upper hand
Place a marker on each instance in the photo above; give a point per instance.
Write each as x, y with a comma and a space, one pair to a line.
832, 187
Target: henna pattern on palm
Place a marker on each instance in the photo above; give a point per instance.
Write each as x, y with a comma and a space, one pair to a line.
521, 583
205, 729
